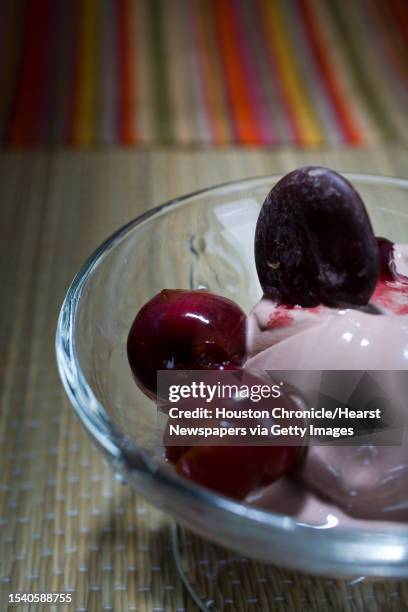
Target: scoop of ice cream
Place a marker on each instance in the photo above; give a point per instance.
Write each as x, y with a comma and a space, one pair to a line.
321, 338
324, 339
365, 481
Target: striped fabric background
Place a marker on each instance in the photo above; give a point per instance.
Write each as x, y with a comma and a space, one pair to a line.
250, 72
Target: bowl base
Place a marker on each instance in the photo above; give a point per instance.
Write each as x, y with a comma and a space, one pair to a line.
221, 580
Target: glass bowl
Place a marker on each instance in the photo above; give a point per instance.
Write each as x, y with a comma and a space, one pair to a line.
204, 239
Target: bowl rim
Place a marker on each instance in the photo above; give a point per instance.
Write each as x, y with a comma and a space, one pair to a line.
128, 456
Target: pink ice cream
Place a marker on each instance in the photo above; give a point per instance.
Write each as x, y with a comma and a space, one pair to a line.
322, 338
367, 482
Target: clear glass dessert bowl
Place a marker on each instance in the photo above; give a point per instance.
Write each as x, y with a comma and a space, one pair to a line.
204, 239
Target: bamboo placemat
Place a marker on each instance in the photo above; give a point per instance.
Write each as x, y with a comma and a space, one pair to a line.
65, 524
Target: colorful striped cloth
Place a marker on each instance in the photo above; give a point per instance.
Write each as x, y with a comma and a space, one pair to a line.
250, 72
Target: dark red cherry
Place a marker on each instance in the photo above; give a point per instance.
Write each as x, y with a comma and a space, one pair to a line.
230, 470
174, 453
314, 242
388, 269
190, 330
235, 470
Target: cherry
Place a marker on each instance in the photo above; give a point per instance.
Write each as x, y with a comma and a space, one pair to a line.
388, 269
314, 243
185, 330
230, 470
174, 453
235, 470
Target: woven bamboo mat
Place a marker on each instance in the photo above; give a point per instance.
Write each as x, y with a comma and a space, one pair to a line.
65, 524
